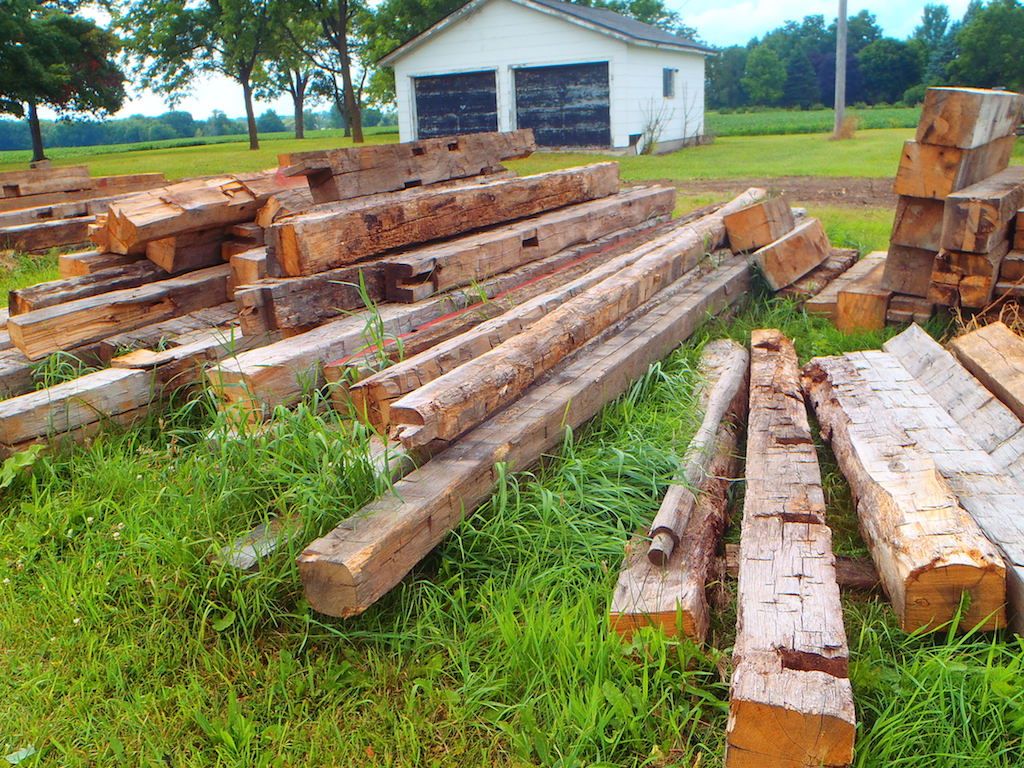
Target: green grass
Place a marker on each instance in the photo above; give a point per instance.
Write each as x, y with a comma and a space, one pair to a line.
785, 121
124, 640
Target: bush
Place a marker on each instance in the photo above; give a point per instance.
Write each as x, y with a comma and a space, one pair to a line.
914, 95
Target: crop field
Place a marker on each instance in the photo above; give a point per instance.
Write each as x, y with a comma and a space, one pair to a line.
785, 121
126, 642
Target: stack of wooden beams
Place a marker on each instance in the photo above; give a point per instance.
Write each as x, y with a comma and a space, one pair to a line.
51, 207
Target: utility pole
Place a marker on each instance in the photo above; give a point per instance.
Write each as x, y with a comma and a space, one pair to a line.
840, 69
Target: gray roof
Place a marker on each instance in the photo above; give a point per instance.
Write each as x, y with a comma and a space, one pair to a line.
624, 25
597, 19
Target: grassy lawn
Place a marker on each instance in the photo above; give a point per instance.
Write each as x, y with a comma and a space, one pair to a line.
124, 641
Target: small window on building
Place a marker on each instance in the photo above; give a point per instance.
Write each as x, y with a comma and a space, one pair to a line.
668, 83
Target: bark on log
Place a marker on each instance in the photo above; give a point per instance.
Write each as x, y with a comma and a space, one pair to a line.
672, 597
929, 552
790, 660
461, 399
347, 571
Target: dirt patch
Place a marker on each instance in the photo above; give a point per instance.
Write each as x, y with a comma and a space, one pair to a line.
819, 190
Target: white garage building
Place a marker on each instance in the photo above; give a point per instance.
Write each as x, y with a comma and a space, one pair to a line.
579, 76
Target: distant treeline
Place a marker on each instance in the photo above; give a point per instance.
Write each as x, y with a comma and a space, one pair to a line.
14, 134
795, 64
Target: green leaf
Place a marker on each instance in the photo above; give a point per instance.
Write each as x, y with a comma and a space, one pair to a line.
224, 621
22, 754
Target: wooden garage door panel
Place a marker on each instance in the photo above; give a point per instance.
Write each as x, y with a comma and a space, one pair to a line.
565, 105
450, 104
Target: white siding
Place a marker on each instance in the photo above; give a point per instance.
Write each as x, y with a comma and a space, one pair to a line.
503, 35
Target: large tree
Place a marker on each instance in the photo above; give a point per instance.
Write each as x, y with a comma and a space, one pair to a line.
50, 57
174, 41
888, 67
764, 79
989, 45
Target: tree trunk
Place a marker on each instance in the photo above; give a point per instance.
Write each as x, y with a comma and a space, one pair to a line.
37, 133
299, 100
353, 118
250, 115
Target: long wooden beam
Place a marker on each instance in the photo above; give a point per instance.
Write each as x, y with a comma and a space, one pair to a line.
43, 235
340, 174
352, 567
927, 549
460, 399
47, 294
790, 700
337, 234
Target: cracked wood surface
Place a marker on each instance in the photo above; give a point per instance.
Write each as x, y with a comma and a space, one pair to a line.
995, 355
790, 700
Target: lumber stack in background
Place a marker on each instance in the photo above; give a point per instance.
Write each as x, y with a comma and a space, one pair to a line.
352, 567
340, 174
671, 596
790, 660
100, 187
38, 181
964, 136
928, 551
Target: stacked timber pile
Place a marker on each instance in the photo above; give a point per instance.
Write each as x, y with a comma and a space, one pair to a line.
50, 207
953, 235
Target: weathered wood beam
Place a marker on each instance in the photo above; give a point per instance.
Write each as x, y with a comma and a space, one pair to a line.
863, 303
671, 596
349, 569
417, 274
43, 235
968, 117
47, 294
187, 251
341, 174
65, 326
39, 181
103, 187
908, 309
933, 170
815, 281
793, 255
988, 493
88, 262
337, 234
460, 399
790, 659
978, 218
826, 300
929, 552
168, 332
995, 355
759, 225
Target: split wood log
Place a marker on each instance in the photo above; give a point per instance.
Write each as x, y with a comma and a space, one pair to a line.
935, 171
862, 304
372, 396
918, 223
1012, 268
995, 355
352, 567
929, 552
47, 294
759, 225
723, 379
672, 598
825, 301
793, 255
187, 206
462, 398
187, 251
340, 174
43, 235
978, 218
249, 266
39, 181
991, 424
908, 309
968, 117
88, 262
169, 332
336, 234
418, 274
790, 659
815, 281
908, 270
65, 326
991, 496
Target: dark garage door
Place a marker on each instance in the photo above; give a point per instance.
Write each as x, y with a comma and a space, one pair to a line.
451, 104
567, 106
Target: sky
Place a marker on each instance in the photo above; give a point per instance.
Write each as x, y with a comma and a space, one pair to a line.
719, 22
